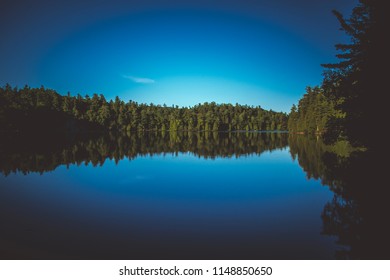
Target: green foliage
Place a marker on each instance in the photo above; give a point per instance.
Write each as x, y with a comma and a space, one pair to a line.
313, 112
98, 113
355, 80
345, 105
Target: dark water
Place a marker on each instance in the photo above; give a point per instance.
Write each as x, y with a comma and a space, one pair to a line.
178, 196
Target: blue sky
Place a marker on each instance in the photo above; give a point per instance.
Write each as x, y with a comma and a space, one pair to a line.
173, 52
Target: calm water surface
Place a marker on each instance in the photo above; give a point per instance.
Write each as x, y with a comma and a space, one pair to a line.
237, 196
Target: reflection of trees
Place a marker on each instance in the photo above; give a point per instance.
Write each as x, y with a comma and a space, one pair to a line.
45, 154
341, 218
358, 212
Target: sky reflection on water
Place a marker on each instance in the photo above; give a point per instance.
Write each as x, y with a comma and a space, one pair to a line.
168, 206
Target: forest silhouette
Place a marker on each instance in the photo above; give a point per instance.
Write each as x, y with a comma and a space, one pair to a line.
43, 130
345, 105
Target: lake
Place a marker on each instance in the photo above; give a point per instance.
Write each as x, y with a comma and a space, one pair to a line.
157, 195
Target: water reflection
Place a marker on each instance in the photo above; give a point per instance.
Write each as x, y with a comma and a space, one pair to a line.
358, 212
45, 154
356, 215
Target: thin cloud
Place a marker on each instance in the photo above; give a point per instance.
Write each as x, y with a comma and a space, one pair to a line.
139, 80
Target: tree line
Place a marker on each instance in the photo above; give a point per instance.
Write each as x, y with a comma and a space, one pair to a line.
345, 105
35, 108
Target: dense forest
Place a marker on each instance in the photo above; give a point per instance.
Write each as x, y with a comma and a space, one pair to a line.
345, 105
44, 109
347, 109
314, 112
341, 112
